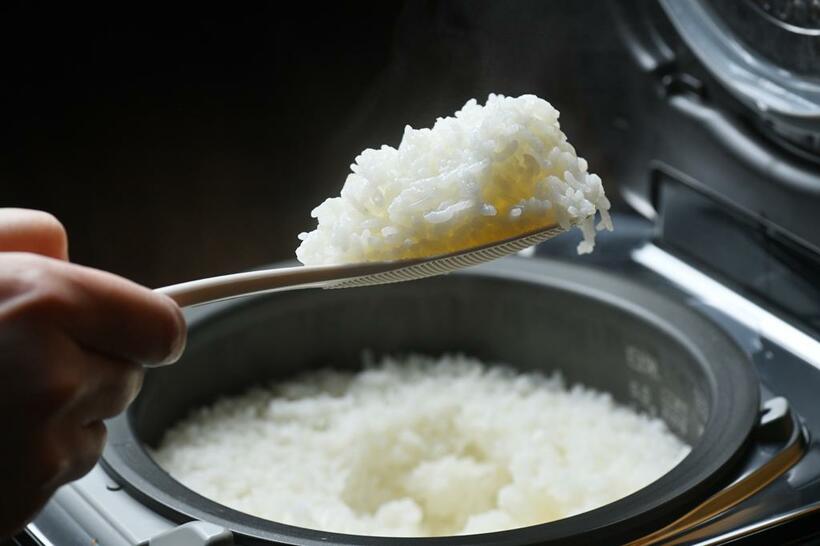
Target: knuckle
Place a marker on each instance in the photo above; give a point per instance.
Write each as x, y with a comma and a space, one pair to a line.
122, 391
52, 464
93, 442
50, 295
27, 273
97, 433
42, 290
62, 388
68, 456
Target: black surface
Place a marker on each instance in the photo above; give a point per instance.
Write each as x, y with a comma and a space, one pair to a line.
178, 141
703, 385
22, 539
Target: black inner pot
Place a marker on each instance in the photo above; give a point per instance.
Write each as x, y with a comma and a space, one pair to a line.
605, 332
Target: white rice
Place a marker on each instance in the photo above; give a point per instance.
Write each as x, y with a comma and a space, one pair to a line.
418, 447
486, 174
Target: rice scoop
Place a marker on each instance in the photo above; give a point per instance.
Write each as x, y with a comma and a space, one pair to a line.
486, 174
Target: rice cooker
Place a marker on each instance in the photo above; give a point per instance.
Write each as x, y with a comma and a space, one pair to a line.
702, 308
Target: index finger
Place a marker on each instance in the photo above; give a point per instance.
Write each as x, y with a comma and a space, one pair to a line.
104, 312
127, 320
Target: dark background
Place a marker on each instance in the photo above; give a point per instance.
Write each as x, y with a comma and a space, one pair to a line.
180, 142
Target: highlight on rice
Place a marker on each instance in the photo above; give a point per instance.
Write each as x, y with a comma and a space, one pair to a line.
418, 446
488, 173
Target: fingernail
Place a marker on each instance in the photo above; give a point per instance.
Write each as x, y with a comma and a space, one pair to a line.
181, 340
135, 388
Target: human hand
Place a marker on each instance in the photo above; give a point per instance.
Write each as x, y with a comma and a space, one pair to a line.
73, 343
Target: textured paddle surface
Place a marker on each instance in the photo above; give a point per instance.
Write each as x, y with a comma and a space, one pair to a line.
448, 262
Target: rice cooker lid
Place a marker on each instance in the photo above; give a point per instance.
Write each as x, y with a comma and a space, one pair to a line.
720, 447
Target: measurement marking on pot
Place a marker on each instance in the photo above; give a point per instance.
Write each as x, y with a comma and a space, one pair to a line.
642, 393
640, 361
674, 411
701, 405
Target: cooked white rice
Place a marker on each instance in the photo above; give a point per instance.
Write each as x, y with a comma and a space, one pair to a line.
486, 174
418, 447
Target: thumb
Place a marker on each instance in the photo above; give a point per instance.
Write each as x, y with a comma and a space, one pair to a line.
24, 230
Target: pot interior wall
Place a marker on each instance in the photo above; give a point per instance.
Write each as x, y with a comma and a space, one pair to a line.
531, 326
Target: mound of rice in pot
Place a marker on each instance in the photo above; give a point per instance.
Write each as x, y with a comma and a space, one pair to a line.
490, 448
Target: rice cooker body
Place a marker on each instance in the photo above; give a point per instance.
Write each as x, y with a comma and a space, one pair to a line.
603, 331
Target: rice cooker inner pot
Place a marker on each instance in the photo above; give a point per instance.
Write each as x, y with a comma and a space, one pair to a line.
605, 332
